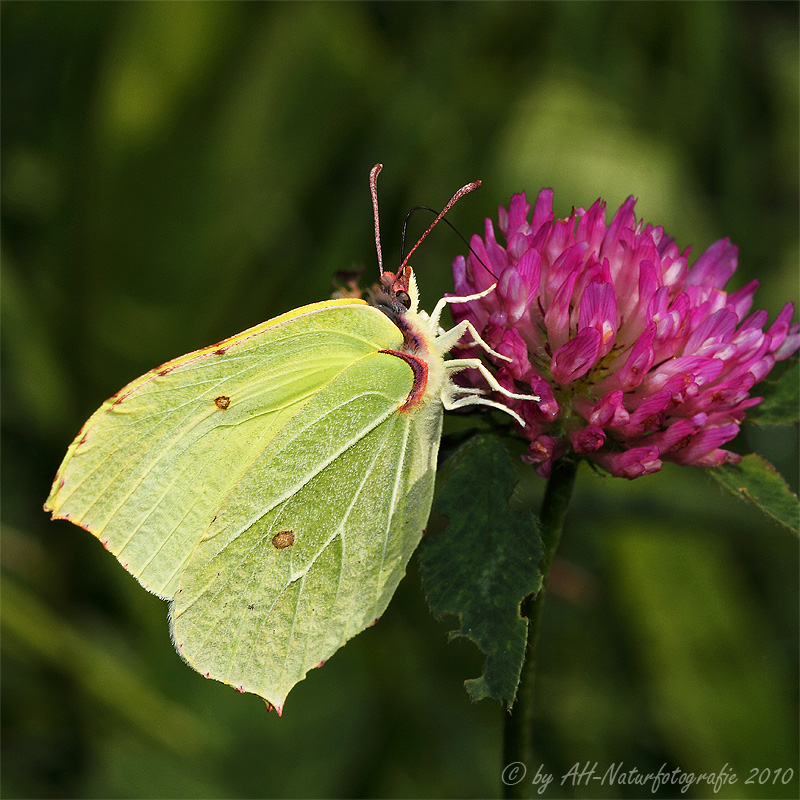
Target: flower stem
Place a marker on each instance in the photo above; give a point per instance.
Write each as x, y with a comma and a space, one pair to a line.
519, 722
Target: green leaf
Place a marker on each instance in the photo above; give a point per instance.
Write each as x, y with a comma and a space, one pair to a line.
485, 563
756, 480
781, 404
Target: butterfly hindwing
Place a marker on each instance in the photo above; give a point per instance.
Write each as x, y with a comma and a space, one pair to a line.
351, 479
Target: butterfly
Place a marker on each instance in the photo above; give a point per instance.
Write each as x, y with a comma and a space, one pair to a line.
274, 485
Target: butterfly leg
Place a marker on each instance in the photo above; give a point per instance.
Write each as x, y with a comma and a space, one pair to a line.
471, 400
440, 306
458, 364
447, 340
470, 395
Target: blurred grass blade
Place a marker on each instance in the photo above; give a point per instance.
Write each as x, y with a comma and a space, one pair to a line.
717, 685
28, 623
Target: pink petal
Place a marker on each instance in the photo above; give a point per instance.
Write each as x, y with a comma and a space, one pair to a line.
547, 407
512, 346
588, 439
649, 416
576, 357
542, 452
715, 267
542, 210
592, 226
697, 447
740, 301
630, 463
556, 319
598, 309
779, 329
790, 344
610, 411
639, 361
623, 219
702, 370
516, 220
718, 327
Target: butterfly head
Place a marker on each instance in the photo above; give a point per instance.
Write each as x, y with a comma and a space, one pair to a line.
398, 293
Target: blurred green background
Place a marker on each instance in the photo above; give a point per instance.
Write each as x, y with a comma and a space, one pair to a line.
173, 173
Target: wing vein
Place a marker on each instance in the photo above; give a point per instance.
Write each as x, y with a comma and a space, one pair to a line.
392, 506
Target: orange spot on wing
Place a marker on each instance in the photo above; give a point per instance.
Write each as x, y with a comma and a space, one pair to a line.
283, 539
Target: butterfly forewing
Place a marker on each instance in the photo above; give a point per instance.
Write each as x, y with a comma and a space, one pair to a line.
150, 469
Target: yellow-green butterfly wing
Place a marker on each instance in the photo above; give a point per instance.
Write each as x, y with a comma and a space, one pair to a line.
270, 485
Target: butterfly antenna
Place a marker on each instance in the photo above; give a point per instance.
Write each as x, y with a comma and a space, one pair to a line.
447, 222
470, 187
373, 189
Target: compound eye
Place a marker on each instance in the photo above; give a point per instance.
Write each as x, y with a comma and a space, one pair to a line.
403, 299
